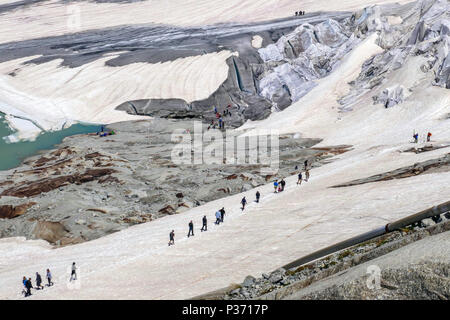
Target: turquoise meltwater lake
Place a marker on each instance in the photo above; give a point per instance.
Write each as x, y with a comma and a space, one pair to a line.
12, 154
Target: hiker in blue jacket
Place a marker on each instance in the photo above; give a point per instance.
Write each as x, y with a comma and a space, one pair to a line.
243, 202
28, 286
218, 217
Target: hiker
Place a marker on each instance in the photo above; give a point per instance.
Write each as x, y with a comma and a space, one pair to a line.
428, 136
172, 238
220, 123
24, 282
222, 214
215, 110
28, 286
191, 229
24, 290
306, 163
39, 281
306, 175
49, 278
296, 168
257, 196
296, 13
416, 137
243, 202
300, 178
282, 183
218, 217
204, 226
74, 272
275, 185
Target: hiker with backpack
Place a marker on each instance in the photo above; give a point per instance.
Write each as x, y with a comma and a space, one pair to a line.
28, 286
243, 202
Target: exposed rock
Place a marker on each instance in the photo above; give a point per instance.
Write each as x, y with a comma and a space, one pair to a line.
167, 210
248, 281
281, 283
49, 184
97, 210
276, 277
235, 292
429, 166
163, 108
426, 280
10, 211
49, 231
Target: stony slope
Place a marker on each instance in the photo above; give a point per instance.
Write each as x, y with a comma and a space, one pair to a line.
91, 186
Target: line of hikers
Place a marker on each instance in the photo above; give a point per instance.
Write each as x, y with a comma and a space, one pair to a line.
416, 137
220, 214
299, 13
28, 285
